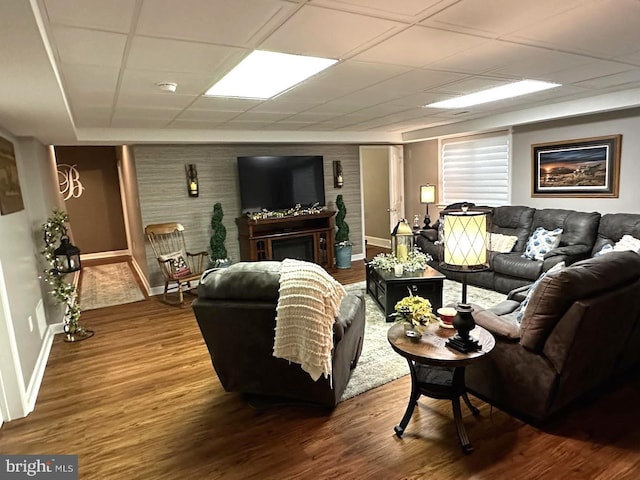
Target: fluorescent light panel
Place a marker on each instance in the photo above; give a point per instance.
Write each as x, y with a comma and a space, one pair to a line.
264, 74
497, 93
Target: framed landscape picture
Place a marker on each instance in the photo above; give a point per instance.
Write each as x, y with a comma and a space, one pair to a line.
589, 167
10, 195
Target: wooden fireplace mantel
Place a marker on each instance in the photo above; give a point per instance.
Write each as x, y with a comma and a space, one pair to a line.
257, 237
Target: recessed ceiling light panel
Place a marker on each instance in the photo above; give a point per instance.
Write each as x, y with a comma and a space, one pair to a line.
264, 74
497, 93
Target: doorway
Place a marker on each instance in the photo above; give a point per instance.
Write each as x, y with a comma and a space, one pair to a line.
382, 192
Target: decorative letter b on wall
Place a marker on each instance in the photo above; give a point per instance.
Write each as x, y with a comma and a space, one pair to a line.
69, 180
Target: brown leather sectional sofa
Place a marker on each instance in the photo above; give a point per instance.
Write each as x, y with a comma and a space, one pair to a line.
581, 328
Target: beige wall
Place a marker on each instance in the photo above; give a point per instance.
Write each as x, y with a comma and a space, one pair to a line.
375, 185
96, 216
420, 168
164, 198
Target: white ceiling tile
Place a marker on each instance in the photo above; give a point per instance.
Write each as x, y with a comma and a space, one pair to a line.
213, 21
89, 78
113, 15
92, 117
279, 105
623, 78
326, 33
193, 124
269, 117
225, 104
589, 70
419, 46
89, 47
310, 117
180, 56
207, 115
144, 113
471, 85
156, 100
603, 28
540, 64
137, 122
399, 8
498, 17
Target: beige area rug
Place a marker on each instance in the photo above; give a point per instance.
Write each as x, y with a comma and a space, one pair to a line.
107, 285
378, 363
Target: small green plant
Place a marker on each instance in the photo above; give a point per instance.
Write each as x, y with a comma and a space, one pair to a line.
342, 235
219, 235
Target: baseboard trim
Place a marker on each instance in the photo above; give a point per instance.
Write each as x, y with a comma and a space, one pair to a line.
41, 364
378, 242
101, 255
143, 278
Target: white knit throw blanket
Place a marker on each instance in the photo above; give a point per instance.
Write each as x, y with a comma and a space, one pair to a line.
308, 304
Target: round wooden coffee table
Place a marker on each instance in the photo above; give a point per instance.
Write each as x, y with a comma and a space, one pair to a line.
437, 371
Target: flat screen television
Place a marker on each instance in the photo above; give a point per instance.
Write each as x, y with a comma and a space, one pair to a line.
280, 182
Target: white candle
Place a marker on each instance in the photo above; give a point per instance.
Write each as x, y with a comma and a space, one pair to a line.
398, 270
401, 252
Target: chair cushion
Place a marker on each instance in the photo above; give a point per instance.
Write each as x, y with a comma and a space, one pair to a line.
513, 265
541, 242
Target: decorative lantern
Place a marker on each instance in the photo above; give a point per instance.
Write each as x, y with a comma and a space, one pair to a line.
67, 256
402, 240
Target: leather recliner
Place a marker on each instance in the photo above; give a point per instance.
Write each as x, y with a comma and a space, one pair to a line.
236, 311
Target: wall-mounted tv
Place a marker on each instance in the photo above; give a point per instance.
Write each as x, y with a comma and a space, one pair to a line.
280, 182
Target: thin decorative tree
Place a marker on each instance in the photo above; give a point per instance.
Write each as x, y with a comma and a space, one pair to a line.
342, 235
219, 234
63, 292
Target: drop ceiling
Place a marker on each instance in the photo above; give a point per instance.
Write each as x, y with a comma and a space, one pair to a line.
85, 71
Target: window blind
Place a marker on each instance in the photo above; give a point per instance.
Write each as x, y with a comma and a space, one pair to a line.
476, 170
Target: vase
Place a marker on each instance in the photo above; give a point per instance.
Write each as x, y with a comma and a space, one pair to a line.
343, 256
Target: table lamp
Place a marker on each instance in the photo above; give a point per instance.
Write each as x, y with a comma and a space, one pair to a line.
427, 196
465, 250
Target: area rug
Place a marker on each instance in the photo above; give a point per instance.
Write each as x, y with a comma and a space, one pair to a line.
107, 285
378, 363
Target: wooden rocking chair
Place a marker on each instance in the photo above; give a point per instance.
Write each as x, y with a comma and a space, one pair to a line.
177, 264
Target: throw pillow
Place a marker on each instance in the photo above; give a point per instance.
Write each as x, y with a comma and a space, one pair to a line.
177, 263
627, 242
501, 243
605, 249
523, 306
541, 242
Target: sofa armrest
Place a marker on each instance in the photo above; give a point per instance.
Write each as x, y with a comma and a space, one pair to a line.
569, 254
519, 294
503, 326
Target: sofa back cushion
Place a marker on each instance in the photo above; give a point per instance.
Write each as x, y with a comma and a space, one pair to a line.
613, 226
555, 294
513, 220
257, 281
578, 228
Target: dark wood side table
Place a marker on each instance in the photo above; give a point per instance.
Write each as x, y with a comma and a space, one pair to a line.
387, 289
438, 371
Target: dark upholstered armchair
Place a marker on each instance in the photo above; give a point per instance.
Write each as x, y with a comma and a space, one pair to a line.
236, 310
581, 328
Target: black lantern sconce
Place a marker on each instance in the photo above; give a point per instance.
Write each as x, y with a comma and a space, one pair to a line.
67, 256
338, 181
192, 180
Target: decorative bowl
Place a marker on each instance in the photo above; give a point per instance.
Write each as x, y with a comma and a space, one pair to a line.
447, 314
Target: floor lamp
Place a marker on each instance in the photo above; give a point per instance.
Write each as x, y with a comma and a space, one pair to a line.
427, 196
465, 250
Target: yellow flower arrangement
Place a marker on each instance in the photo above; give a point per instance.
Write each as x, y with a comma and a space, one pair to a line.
415, 310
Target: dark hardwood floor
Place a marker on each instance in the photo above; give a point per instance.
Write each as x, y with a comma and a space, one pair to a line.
140, 400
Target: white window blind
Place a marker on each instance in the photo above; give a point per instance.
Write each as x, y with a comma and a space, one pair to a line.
476, 170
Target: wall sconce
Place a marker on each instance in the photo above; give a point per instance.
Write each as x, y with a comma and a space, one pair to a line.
67, 256
427, 196
192, 180
338, 181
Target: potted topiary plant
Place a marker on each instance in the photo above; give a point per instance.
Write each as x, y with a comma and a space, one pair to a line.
219, 258
343, 245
